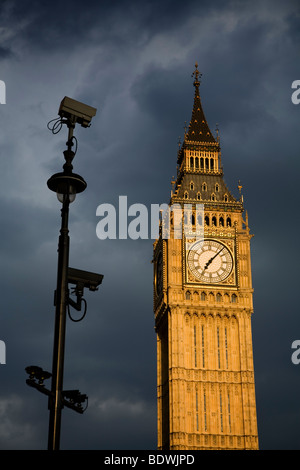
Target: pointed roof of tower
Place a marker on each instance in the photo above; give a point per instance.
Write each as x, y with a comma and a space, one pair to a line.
198, 130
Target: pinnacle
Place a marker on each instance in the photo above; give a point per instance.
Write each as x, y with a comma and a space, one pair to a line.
198, 130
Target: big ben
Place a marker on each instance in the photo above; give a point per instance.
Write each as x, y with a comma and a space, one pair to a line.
203, 304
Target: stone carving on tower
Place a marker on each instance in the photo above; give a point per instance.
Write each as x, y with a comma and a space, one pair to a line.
203, 303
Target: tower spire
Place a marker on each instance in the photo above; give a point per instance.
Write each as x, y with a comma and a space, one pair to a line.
198, 128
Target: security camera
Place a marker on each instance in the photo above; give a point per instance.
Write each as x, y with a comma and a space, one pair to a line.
33, 371
74, 396
84, 279
76, 112
36, 372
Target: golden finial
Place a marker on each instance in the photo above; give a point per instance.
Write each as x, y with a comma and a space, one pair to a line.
240, 191
173, 182
196, 74
185, 128
217, 132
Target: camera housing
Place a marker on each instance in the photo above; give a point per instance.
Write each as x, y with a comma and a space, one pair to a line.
76, 112
84, 279
36, 372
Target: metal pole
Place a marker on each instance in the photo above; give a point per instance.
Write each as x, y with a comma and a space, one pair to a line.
56, 399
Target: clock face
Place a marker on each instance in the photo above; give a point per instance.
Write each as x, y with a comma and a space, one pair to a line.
210, 261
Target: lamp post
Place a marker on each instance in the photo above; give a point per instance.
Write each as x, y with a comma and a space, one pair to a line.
66, 184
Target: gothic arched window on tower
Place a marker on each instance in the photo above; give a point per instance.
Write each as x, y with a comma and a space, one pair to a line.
211, 163
192, 162
217, 188
188, 295
202, 163
214, 221
228, 222
226, 198
197, 163
192, 185
204, 187
186, 195
206, 220
207, 164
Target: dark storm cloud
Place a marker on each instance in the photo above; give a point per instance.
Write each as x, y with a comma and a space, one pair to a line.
157, 86
59, 25
5, 53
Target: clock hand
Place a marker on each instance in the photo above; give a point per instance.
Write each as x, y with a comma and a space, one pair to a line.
211, 259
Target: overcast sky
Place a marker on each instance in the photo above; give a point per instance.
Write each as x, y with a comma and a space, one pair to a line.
133, 60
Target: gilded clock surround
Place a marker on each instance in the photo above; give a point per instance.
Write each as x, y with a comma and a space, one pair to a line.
210, 261
205, 373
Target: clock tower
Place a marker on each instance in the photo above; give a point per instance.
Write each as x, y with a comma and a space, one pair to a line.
203, 304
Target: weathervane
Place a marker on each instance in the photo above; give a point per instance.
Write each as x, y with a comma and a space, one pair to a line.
196, 74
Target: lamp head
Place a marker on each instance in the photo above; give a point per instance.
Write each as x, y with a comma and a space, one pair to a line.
67, 183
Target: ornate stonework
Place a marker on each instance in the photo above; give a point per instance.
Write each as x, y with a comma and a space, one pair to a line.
203, 306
